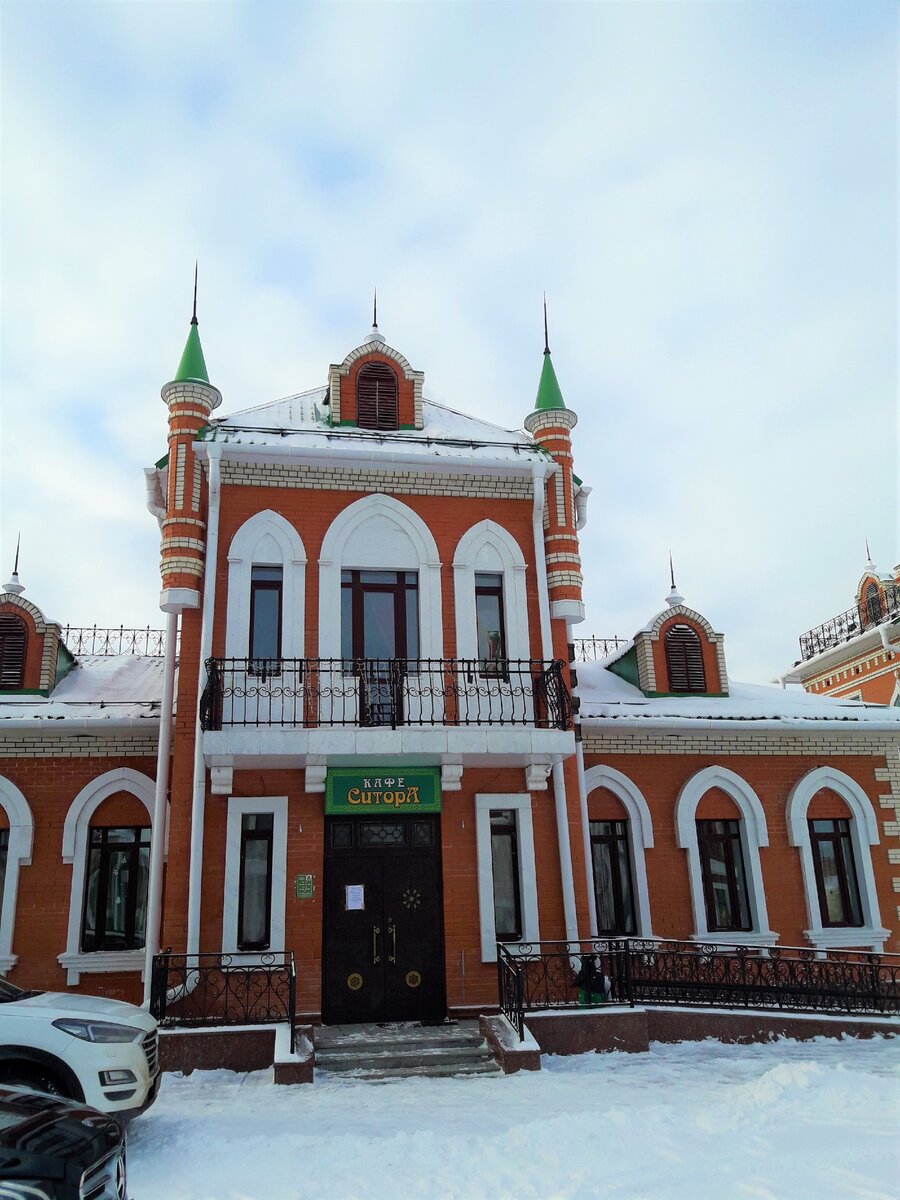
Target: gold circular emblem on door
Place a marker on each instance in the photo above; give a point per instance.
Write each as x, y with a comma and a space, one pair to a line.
411, 898
354, 981
413, 979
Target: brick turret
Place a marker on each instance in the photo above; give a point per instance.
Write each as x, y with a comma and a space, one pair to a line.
190, 398
550, 424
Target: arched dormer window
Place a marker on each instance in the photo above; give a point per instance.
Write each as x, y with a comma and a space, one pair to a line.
684, 659
872, 603
13, 643
376, 397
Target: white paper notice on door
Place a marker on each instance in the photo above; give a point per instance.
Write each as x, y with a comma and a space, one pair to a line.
355, 897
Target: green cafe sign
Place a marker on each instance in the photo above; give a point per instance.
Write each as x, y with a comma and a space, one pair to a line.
385, 789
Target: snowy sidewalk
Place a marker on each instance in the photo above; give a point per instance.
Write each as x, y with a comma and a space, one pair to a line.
698, 1121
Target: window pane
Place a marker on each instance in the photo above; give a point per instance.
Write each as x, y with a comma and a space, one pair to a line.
504, 859
412, 623
724, 880
854, 909
255, 880
603, 886
140, 911
488, 621
118, 878
378, 625
625, 893
265, 575
831, 882
264, 631
382, 833
89, 927
346, 622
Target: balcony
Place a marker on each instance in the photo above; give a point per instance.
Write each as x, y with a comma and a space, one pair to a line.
315, 713
849, 624
377, 693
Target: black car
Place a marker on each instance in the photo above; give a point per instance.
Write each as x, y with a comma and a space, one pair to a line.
53, 1149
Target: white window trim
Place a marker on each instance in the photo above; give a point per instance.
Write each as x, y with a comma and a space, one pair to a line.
238, 806
640, 834
754, 835
488, 547
863, 834
74, 851
332, 560
18, 854
243, 555
484, 806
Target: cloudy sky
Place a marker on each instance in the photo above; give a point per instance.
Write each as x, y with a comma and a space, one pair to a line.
705, 190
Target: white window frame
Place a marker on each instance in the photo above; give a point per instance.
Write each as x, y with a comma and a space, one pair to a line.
754, 835
489, 548
238, 806
76, 837
266, 539
863, 834
640, 835
520, 803
18, 854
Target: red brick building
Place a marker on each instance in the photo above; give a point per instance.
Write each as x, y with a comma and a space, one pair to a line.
366, 743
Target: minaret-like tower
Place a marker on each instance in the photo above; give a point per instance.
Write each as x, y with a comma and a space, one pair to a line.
190, 398
550, 424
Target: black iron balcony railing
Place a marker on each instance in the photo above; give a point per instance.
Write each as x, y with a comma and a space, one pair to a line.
389, 693
91, 639
593, 649
559, 975
866, 615
224, 989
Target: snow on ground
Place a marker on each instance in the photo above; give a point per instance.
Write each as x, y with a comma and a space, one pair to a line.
697, 1121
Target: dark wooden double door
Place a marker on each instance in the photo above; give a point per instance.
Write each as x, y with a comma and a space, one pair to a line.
383, 954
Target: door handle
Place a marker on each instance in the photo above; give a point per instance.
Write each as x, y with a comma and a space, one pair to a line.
376, 957
392, 930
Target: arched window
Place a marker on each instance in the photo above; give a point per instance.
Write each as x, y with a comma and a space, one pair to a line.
874, 611
376, 397
13, 641
684, 660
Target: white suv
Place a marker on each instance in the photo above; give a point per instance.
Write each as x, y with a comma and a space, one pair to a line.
102, 1052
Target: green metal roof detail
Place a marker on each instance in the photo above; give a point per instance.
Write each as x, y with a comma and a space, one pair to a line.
192, 368
548, 394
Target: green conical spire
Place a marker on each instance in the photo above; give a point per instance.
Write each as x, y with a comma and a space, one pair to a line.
192, 368
548, 394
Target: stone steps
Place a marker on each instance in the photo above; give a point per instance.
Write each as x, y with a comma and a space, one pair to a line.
401, 1051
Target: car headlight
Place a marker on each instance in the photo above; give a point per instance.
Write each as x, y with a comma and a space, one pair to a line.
98, 1031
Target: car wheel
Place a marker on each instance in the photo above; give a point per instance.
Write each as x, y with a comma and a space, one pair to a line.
38, 1079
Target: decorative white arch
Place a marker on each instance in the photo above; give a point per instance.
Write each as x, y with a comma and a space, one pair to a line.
18, 854
754, 835
487, 546
266, 539
379, 533
863, 834
74, 850
640, 825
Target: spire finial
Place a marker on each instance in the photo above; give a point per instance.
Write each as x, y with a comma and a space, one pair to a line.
14, 586
868, 552
194, 315
546, 338
375, 308
374, 334
674, 597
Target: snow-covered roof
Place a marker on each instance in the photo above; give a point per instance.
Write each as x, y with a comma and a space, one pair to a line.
605, 697
299, 423
99, 688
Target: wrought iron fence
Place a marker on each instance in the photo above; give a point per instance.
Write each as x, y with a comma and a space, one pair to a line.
91, 639
559, 975
593, 649
224, 989
381, 692
848, 624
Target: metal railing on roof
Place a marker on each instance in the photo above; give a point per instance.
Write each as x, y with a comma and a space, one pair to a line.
861, 617
592, 649
94, 639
